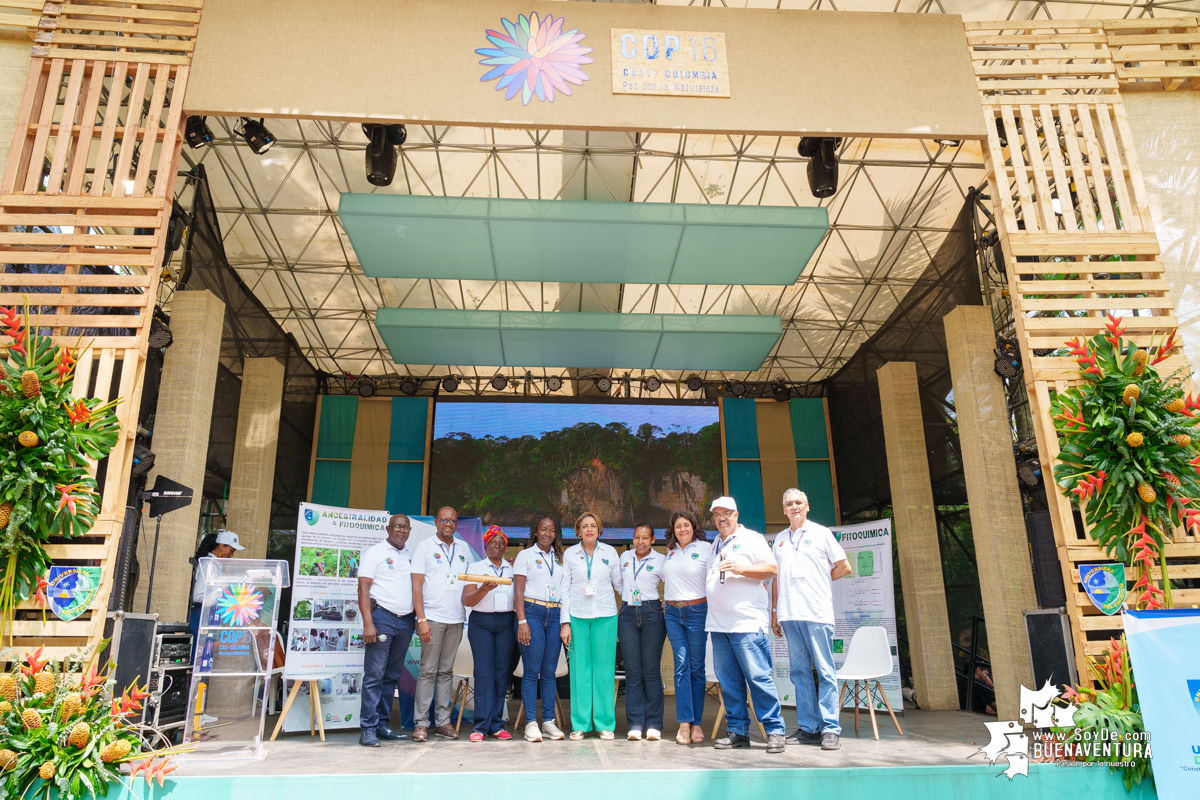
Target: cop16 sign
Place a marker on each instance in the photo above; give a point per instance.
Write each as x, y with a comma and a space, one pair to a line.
677, 63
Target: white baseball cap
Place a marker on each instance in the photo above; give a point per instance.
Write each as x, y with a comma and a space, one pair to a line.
230, 538
723, 502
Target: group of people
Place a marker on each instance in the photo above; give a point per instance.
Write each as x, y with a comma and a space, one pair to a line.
548, 598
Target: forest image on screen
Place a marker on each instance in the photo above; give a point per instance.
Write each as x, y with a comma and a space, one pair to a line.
629, 463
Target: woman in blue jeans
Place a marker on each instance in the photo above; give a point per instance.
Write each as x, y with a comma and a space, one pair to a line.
686, 612
491, 629
641, 633
537, 595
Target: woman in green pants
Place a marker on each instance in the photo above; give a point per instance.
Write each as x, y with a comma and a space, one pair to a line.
590, 605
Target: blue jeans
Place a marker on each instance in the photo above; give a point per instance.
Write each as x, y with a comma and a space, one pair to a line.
641, 632
810, 644
539, 660
685, 629
491, 636
382, 664
740, 659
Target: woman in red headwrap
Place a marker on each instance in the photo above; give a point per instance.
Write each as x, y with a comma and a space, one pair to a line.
491, 630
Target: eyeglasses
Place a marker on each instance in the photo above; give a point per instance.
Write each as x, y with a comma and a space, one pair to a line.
400, 527
791, 503
721, 517
447, 520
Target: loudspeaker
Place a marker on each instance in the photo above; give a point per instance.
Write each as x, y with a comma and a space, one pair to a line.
131, 646
1051, 651
124, 580
1047, 573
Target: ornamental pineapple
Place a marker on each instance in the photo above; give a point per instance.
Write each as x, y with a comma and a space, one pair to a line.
1175, 405
1171, 480
8, 760
1132, 392
8, 687
43, 683
1146, 492
27, 439
5, 706
1181, 439
31, 719
5, 512
46, 771
1139, 360
116, 750
1134, 439
70, 707
31, 386
80, 734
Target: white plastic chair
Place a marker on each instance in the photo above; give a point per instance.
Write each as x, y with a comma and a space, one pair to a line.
463, 670
868, 659
559, 671
710, 675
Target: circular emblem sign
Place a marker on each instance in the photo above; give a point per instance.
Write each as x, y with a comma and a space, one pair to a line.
535, 57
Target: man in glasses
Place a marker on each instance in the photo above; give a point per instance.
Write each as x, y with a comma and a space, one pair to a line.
737, 621
385, 598
437, 598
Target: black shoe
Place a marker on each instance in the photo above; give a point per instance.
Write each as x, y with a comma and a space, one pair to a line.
831, 741
386, 733
801, 736
368, 738
733, 741
775, 743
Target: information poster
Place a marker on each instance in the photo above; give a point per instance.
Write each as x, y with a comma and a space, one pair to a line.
865, 597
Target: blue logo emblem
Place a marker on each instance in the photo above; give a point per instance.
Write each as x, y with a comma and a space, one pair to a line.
1105, 585
311, 517
1194, 691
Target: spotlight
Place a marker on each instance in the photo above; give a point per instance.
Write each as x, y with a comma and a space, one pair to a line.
1029, 467
381, 155
821, 153
256, 135
499, 383
553, 383
366, 387
1008, 359
948, 142
450, 384
653, 384
782, 392
197, 132
409, 386
143, 460
695, 383
604, 384
160, 335
738, 389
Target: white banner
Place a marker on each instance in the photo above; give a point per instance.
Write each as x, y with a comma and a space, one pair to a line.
865, 597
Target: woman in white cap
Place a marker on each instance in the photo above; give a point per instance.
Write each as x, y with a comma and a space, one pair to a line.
221, 544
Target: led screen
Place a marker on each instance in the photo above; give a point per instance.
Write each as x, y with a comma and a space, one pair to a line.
507, 462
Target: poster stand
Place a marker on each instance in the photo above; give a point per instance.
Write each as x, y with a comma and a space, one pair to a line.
314, 704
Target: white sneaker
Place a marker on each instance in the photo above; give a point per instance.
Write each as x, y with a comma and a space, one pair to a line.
635, 735
532, 734
653, 735
551, 730
205, 719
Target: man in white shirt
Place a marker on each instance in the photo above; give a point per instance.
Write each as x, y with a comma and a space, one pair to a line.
737, 621
810, 560
437, 598
385, 600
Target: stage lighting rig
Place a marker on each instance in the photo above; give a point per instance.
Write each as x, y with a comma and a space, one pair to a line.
256, 135
499, 383
197, 133
738, 389
450, 384
382, 151
366, 387
409, 386
653, 384
553, 383
782, 392
695, 383
604, 384
160, 335
1029, 467
1008, 359
821, 153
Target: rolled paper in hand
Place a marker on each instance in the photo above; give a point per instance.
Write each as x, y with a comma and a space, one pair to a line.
462, 576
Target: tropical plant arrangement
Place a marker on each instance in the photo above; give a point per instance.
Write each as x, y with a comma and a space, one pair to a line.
1127, 453
60, 735
48, 438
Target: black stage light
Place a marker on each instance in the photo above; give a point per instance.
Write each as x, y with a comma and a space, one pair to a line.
695, 383
382, 155
366, 387
450, 384
143, 460
1029, 467
499, 383
738, 389
604, 384
653, 384
1008, 359
409, 386
553, 383
948, 142
160, 335
397, 134
256, 135
822, 165
197, 133
782, 392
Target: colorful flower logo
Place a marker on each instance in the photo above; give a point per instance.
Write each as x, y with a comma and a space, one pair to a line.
240, 604
534, 57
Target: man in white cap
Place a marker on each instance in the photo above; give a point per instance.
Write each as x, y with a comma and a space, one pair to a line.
737, 621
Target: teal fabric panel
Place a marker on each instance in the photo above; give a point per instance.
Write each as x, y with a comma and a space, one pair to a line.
404, 485
745, 487
335, 436
441, 336
331, 482
813, 478
407, 439
808, 427
575, 339
729, 342
741, 429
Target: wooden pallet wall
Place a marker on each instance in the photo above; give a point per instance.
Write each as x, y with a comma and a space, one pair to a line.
1076, 231
89, 182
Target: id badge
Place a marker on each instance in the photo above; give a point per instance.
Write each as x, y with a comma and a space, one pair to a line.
589, 589
552, 593
452, 581
635, 597
501, 601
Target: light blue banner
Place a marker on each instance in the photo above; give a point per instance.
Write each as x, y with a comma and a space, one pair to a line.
1163, 648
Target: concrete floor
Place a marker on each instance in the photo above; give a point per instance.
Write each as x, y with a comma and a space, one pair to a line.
930, 738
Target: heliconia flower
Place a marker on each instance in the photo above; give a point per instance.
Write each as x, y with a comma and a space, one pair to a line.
80, 413
1073, 420
40, 598
1165, 348
164, 768
64, 361
1114, 327
1090, 361
141, 766
67, 498
1190, 404
1077, 349
534, 57
35, 662
92, 682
